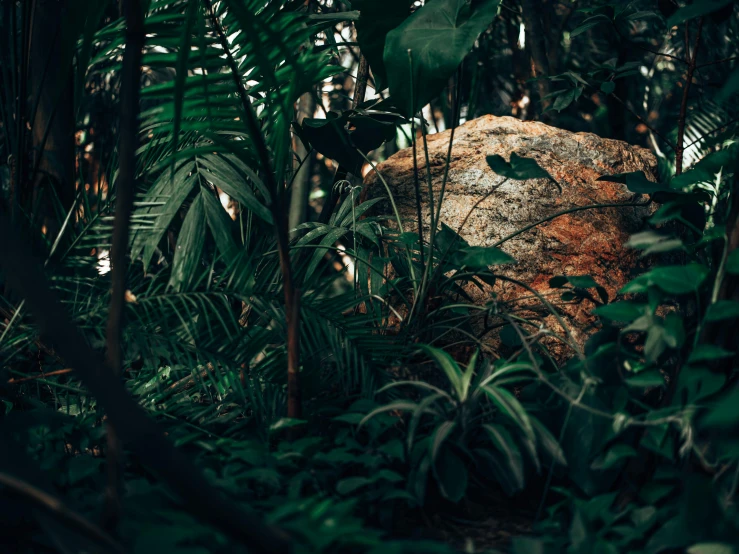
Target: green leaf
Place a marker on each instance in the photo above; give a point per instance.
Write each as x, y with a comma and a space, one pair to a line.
732, 262
173, 190
564, 99
654, 344
723, 413
451, 473
354, 419
615, 455
512, 458
708, 352
548, 442
396, 405
440, 434
342, 137
480, 257
646, 379
679, 279
450, 368
518, 169
623, 310
226, 178
219, 224
183, 54
351, 484
589, 23
608, 87
439, 35
286, 422
674, 330
696, 9
582, 281
189, 247
511, 408
722, 309
635, 181
697, 383
376, 19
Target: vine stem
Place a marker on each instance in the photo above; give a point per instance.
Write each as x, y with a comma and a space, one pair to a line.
692, 59
291, 293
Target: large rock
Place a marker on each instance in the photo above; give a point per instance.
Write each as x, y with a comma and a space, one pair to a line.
589, 242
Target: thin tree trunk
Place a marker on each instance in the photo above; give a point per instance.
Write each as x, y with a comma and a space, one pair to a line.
537, 46
51, 102
125, 189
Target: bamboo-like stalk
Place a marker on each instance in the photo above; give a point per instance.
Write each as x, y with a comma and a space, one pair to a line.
125, 190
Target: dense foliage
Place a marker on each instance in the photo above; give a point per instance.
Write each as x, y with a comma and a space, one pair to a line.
286, 367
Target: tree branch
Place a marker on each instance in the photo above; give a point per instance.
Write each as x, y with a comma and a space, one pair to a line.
52, 505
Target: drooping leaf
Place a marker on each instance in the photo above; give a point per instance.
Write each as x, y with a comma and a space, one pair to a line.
376, 19
438, 35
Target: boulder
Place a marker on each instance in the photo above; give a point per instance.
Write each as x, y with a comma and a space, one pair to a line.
588, 242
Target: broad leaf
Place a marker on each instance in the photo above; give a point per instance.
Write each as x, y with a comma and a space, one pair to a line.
623, 310
678, 279
722, 309
438, 35
376, 19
